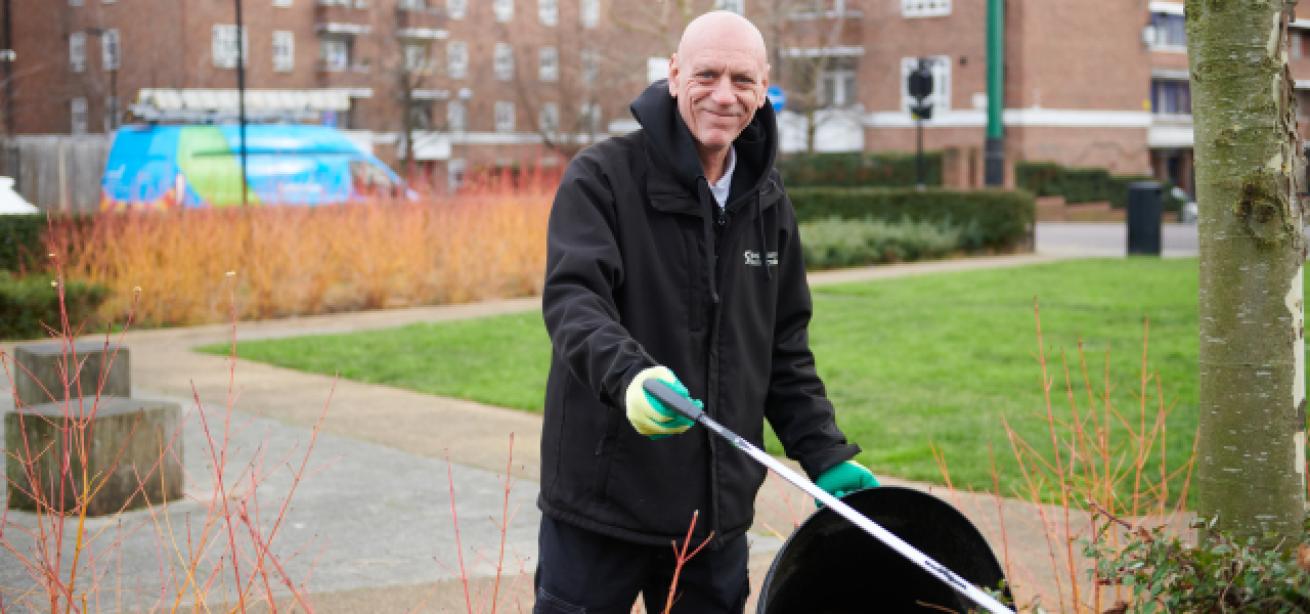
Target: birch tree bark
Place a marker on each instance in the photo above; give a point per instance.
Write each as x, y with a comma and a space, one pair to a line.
1251, 452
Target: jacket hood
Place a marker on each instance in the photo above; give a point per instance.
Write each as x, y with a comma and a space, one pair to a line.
756, 146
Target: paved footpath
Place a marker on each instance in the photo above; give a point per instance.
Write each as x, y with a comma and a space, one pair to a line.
370, 525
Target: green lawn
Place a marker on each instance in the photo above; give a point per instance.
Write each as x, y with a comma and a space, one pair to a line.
910, 363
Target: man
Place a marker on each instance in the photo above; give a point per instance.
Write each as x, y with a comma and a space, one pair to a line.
673, 254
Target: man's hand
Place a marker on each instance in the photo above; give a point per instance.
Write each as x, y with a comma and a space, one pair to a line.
845, 478
647, 414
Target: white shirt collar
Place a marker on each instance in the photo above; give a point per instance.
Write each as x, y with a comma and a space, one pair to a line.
720, 188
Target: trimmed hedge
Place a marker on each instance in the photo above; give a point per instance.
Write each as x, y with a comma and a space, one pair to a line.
991, 219
30, 301
22, 242
1084, 185
836, 242
859, 169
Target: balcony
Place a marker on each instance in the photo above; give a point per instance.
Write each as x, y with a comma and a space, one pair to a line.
337, 73
417, 17
341, 11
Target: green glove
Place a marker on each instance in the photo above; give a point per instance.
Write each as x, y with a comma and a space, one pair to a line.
845, 478
647, 414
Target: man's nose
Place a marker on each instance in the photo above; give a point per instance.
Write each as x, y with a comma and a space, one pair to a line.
722, 94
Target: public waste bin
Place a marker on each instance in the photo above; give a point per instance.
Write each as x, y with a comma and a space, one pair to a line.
829, 566
1145, 207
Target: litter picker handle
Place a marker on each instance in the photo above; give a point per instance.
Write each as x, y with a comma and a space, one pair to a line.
682, 405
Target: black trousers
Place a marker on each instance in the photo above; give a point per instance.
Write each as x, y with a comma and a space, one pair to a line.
581, 572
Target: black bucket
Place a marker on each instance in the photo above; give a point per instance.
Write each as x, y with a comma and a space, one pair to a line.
830, 566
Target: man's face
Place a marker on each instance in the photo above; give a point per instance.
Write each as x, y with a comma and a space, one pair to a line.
719, 85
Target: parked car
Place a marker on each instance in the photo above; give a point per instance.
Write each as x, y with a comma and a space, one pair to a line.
166, 167
11, 202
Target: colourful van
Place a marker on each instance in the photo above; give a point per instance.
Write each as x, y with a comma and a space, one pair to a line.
167, 167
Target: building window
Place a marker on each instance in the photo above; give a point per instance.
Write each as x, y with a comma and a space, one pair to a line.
74, 2
224, 46
284, 50
589, 12
548, 12
455, 173
736, 6
504, 9
457, 59
548, 119
548, 68
1294, 44
111, 113
502, 62
111, 51
590, 66
925, 8
416, 57
420, 115
412, 5
837, 85
457, 9
77, 51
1170, 31
940, 99
77, 116
589, 117
504, 116
1171, 97
281, 2
456, 116
334, 54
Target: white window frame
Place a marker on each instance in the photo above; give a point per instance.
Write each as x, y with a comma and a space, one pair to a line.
282, 3
224, 45
417, 56
548, 64
457, 59
502, 62
589, 118
457, 9
284, 51
503, 10
843, 86
412, 5
77, 115
941, 78
455, 169
548, 12
589, 13
925, 8
74, 2
548, 118
457, 116
334, 53
590, 60
111, 49
504, 116
736, 6
77, 51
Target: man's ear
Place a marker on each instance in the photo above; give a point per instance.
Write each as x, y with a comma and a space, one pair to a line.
673, 75
764, 89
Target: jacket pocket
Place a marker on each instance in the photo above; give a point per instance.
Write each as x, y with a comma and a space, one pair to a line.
605, 449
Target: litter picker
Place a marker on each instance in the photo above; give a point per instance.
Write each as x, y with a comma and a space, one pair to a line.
671, 398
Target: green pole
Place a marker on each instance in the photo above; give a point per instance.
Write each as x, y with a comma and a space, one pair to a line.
994, 162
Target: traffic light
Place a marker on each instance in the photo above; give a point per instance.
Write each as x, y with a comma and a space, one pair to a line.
920, 85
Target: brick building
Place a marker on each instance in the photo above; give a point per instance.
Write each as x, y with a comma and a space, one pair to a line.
505, 82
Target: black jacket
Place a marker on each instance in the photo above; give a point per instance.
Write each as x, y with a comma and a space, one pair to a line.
641, 270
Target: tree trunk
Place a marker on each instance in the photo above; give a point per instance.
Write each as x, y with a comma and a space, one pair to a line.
1251, 451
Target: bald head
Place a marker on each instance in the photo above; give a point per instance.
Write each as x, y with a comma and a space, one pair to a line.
723, 28
719, 76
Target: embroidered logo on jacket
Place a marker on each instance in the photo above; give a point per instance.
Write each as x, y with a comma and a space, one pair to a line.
753, 258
